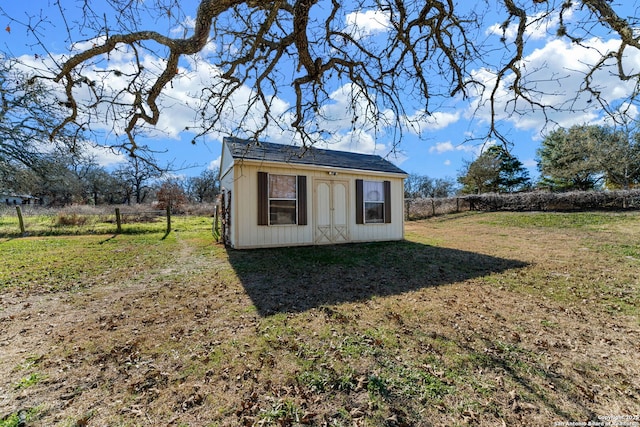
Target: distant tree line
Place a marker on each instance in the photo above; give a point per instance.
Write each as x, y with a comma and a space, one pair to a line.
65, 179
422, 187
61, 171
494, 171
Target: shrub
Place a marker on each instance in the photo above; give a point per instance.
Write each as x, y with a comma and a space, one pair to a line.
546, 201
71, 219
171, 194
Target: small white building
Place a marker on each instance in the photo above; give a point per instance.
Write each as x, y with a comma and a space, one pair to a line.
10, 198
281, 195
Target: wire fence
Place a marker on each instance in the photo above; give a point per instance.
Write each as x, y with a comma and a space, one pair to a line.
20, 220
33, 220
428, 207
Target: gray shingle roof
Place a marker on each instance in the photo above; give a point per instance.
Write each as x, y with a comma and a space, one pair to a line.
270, 152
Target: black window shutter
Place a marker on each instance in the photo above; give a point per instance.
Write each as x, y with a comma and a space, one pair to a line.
359, 202
263, 198
302, 200
387, 201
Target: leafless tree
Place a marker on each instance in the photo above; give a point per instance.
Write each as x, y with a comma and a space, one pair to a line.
204, 187
24, 120
426, 54
136, 178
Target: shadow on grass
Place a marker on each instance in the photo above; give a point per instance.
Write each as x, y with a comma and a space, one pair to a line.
108, 239
301, 278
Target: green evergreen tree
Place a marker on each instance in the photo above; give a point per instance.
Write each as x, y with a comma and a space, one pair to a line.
564, 160
495, 170
618, 157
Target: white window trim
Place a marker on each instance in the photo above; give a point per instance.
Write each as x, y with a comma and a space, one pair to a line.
269, 199
365, 201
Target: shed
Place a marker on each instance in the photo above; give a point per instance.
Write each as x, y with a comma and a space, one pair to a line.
11, 198
281, 195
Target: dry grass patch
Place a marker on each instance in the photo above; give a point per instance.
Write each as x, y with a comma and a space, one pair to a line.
477, 319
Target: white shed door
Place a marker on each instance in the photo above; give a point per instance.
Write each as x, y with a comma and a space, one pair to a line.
331, 216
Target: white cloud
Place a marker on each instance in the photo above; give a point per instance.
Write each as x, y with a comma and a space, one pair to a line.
181, 105
442, 147
355, 141
349, 109
539, 26
179, 102
362, 24
97, 154
347, 122
537, 30
188, 24
214, 164
448, 146
88, 44
555, 75
104, 156
421, 122
625, 112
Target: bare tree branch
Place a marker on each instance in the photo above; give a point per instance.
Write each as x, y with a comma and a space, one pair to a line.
420, 55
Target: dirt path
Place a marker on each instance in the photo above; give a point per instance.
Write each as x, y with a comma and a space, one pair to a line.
65, 337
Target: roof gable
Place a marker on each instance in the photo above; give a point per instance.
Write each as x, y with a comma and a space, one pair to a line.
270, 152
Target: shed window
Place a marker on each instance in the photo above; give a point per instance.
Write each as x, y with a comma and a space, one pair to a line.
373, 199
373, 202
282, 199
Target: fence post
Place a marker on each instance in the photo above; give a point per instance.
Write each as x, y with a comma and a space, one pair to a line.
168, 219
20, 220
118, 221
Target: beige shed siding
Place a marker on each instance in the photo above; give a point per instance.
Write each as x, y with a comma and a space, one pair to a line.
247, 234
250, 234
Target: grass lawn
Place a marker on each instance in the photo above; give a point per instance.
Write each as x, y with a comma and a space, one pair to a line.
475, 319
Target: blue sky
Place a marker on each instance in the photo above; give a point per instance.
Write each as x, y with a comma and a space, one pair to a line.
437, 147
